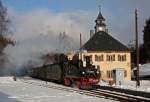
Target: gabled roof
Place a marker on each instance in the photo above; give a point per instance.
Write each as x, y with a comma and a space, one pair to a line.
100, 17
102, 41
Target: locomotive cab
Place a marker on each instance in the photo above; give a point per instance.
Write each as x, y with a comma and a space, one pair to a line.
89, 69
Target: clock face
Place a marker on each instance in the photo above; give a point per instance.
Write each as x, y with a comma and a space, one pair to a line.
100, 28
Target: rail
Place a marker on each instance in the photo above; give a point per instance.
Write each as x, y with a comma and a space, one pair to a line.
100, 93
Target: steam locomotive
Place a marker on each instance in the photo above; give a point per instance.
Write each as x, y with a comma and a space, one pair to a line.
68, 72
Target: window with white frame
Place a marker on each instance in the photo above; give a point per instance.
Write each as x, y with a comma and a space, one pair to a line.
99, 58
111, 57
122, 58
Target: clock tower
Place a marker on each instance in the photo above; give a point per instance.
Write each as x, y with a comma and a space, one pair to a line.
100, 23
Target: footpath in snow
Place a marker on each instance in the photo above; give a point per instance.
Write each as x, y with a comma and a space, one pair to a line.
18, 91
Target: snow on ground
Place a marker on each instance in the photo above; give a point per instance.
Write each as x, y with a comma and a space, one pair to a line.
18, 91
144, 70
144, 85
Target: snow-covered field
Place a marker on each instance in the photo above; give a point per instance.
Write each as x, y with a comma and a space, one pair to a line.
144, 70
144, 85
18, 91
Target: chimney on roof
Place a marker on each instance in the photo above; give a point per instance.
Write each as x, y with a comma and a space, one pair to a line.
91, 33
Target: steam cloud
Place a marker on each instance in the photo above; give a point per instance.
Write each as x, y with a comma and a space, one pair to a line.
37, 33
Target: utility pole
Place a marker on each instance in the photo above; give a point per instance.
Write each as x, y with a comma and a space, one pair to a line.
137, 49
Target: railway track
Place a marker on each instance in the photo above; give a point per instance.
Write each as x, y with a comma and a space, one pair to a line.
100, 93
122, 96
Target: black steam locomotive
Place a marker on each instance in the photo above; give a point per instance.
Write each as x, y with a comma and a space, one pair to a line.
68, 72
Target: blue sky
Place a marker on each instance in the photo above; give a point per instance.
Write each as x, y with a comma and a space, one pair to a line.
119, 14
65, 5
54, 5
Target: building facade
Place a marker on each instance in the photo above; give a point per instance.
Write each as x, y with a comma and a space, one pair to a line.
106, 53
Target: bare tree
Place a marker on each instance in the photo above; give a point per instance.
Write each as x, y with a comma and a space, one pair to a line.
4, 31
4, 21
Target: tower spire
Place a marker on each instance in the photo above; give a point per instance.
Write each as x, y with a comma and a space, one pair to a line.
100, 22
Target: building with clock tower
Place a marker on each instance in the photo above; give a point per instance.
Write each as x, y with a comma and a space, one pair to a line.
106, 52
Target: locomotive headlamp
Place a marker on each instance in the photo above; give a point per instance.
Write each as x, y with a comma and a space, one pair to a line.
83, 72
97, 72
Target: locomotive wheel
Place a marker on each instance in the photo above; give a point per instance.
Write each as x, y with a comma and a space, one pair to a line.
67, 82
75, 84
78, 84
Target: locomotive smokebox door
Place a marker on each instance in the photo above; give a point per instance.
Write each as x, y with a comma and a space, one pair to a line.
118, 76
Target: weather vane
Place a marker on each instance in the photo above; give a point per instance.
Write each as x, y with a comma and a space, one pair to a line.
99, 8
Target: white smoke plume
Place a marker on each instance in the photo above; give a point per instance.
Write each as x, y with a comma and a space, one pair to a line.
37, 33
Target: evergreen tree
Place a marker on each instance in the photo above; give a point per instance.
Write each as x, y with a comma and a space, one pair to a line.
147, 38
143, 55
4, 28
